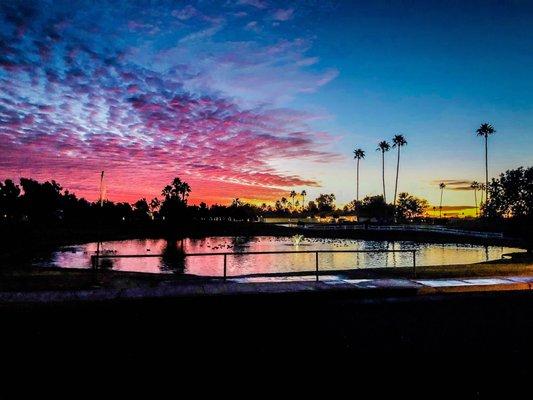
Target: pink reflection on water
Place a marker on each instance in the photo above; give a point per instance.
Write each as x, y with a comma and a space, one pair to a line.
240, 264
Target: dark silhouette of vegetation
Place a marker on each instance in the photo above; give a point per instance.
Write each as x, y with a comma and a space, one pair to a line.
303, 194
442, 186
509, 203
409, 207
485, 130
398, 142
383, 146
9, 199
374, 207
511, 195
475, 187
325, 202
358, 154
47, 204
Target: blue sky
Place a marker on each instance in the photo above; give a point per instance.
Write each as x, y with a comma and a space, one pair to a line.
254, 98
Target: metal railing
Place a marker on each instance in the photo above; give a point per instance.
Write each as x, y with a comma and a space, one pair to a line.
405, 228
95, 258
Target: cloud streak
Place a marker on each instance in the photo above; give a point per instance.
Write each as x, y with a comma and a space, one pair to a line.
79, 97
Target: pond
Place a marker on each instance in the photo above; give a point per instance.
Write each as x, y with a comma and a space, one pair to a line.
169, 260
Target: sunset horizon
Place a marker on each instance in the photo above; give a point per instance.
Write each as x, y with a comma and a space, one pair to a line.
254, 99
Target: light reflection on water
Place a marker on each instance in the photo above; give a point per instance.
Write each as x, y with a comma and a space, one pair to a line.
239, 264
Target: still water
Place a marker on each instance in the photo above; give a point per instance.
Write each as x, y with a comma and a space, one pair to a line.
240, 263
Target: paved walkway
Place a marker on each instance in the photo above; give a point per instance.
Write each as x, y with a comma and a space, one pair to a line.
275, 285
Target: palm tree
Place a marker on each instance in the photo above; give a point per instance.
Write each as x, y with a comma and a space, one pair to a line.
475, 186
185, 189
486, 130
303, 194
442, 185
483, 188
358, 154
399, 141
292, 195
284, 202
383, 146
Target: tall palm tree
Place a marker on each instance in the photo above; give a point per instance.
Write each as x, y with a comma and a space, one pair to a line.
292, 195
398, 142
383, 146
482, 188
475, 187
486, 130
358, 155
303, 194
442, 185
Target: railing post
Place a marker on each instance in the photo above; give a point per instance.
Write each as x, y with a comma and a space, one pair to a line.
316, 264
225, 266
414, 263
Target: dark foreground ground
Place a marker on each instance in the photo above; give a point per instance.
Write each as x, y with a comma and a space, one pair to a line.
471, 337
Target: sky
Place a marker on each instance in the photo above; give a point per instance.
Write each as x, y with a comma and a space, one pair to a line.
251, 99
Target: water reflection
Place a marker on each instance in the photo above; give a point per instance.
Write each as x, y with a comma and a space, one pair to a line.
106, 263
172, 260
173, 257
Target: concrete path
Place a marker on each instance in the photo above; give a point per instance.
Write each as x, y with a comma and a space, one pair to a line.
275, 285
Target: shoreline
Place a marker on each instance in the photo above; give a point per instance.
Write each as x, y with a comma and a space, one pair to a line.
25, 245
55, 278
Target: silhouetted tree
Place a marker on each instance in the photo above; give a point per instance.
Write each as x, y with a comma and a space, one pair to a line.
174, 205
312, 207
511, 195
292, 195
475, 187
303, 194
141, 210
442, 186
398, 142
409, 207
374, 207
383, 146
485, 130
358, 155
9, 199
41, 201
325, 202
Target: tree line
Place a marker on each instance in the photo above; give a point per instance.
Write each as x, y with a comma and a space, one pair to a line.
509, 196
48, 202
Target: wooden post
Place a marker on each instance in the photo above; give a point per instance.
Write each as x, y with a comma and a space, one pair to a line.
316, 264
414, 263
225, 267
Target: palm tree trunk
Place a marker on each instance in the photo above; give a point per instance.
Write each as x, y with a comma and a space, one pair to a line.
475, 200
440, 208
383, 175
397, 173
486, 167
358, 179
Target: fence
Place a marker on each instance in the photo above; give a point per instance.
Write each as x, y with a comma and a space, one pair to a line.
407, 228
95, 258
